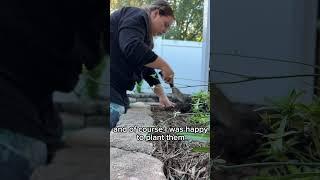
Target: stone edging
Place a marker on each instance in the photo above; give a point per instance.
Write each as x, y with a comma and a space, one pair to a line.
131, 158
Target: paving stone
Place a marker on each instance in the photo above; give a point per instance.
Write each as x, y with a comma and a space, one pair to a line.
86, 159
87, 137
145, 99
75, 163
136, 117
132, 100
148, 95
127, 165
96, 121
152, 104
140, 108
129, 142
145, 111
131, 159
72, 121
96, 107
138, 104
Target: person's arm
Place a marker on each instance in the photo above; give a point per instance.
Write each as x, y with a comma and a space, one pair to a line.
161, 64
152, 79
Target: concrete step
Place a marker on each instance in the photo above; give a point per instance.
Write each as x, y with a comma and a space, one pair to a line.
86, 157
72, 121
127, 165
87, 137
75, 163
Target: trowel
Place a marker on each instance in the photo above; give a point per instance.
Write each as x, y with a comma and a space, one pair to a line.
176, 93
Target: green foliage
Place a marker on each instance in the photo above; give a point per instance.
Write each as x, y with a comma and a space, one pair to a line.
189, 20
117, 4
300, 176
200, 108
196, 137
205, 149
200, 118
288, 122
200, 115
205, 138
189, 17
138, 88
295, 136
92, 78
201, 102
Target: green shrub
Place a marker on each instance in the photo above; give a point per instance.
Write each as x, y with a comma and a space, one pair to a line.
200, 108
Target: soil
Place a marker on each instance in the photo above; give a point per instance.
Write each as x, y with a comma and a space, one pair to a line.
179, 160
181, 163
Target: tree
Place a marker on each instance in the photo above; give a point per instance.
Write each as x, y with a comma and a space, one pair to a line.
189, 20
116, 4
188, 13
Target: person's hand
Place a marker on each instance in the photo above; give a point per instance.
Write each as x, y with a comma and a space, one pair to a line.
165, 102
167, 74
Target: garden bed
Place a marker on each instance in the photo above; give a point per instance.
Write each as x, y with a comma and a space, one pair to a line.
289, 150
180, 162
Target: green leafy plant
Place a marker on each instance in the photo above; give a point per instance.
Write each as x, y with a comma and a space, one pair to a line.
92, 79
201, 102
205, 138
287, 122
138, 88
294, 136
196, 137
200, 116
300, 176
200, 108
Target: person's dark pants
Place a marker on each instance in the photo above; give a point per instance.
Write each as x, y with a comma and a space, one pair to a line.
13, 166
116, 111
20, 155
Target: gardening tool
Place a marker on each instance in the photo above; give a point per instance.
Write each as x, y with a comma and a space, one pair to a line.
176, 92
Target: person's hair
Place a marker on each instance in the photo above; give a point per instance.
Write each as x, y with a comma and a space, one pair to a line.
164, 10
162, 5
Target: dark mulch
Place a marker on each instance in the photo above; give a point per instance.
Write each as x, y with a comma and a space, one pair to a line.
179, 161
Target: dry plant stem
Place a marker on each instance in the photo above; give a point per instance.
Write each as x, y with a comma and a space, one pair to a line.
179, 161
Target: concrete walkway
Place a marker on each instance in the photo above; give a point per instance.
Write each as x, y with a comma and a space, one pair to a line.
130, 158
86, 157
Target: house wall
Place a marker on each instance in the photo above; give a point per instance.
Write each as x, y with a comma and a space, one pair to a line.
267, 28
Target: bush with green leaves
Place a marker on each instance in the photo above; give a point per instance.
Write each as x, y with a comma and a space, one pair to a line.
200, 108
188, 17
92, 79
138, 87
294, 137
291, 149
200, 115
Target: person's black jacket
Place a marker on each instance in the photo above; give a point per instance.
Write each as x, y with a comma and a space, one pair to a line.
130, 50
43, 45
